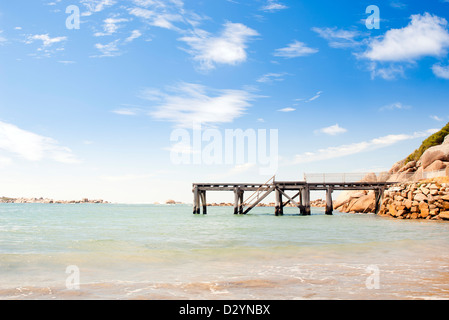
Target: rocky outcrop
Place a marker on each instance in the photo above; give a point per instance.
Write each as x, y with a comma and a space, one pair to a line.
417, 201
408, 173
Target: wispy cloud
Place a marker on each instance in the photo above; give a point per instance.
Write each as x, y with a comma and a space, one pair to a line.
187, 104
110, 49
134, 35
47, 41
2, 39
94, 6
395, 106
316, 96
436, 118
294, 50
110, 26
338, 38
332, 130
273, 5
47, 48
359, 147
229, 47
31, 146
288, 109
270, 77
441, 71
126, 112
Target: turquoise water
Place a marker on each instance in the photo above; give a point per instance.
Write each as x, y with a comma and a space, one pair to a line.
166, 252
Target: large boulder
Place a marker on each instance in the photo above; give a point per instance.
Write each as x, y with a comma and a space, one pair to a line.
397, 166
440, 152
345, 198
363, 204
437, 165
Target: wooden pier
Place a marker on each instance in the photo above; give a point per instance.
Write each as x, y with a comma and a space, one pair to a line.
299, 194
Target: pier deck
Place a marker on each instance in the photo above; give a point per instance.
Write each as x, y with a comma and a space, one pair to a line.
301, 191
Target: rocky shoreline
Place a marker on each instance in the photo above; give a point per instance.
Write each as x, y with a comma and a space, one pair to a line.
419, 200
428, 199
46, 200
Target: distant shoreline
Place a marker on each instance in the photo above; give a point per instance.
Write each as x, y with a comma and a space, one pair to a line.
47, 200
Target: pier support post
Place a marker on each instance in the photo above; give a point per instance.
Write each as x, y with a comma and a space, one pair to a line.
279, 208
196, 200
276, 202
236, 200
301, 201
203, 200
241, 192
329, 204
306, 198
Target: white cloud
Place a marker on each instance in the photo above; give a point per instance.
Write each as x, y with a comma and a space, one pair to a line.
436, 118
134, 35
273, 5
110, 26
2, 39
108, 50
425, 35
395, 106
286, 109
294, 50
397, 5
31, 146
338, 38
389, 72
125, 112
333, 130
189, 104
270, 77
355, 148
227, 48
316, 96
158, 19
441, 71
47, 41
94, 6
164, 14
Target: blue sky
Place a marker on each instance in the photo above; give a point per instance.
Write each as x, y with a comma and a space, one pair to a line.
88, 112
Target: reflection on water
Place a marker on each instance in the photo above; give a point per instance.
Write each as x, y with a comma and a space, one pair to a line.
165, 252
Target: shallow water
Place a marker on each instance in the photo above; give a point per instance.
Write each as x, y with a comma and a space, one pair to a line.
166, 252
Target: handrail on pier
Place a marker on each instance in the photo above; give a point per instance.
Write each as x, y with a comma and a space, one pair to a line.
259, 190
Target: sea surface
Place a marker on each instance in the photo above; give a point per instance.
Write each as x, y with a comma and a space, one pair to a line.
117, 251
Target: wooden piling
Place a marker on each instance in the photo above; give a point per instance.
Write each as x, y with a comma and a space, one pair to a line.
278, 209
329, 204
241, 192
301, 202
236, 200
195, 199
203, 200
307, 210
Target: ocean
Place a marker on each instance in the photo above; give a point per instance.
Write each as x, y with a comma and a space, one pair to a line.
119, 251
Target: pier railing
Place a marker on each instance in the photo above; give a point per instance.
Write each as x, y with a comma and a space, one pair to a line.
346, 177
373, 176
